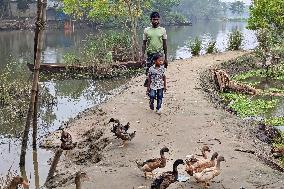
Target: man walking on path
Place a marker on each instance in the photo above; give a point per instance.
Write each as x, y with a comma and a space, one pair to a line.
154, 41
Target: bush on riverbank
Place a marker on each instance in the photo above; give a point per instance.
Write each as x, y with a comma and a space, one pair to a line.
235, 40
102, 50
194, 46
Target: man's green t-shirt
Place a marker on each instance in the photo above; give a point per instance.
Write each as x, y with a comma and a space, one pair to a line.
154, 37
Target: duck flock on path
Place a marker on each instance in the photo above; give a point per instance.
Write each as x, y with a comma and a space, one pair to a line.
202, 169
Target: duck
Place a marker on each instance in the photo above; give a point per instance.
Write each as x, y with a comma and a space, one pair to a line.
167, 178
205, 149
117, 125
208, 174
78, 177
66, 141
115, 121
189, 164
152, 164
124, 136
206, 163
17, 180
278, 152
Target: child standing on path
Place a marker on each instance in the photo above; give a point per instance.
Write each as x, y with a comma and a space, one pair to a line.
156, 82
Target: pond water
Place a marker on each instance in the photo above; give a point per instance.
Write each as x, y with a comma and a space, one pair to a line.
71, 97
271, 85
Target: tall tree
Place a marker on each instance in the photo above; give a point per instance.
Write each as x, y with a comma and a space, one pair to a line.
5, 10
23, 5
202, 9
127, 11
237, 7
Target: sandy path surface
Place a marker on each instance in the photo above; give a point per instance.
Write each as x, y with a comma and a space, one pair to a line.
187, 122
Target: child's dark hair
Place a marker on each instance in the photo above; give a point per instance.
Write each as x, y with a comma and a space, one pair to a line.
154, 15
157, 56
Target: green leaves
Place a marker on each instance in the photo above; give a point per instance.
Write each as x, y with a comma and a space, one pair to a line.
267, 14
235, 40
194, 46
202, 9
275, 121
246, 106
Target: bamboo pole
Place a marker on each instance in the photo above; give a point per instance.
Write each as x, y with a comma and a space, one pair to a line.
36, 173
35, 121
40, 24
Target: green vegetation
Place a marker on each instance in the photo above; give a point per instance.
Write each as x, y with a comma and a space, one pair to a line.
274, 90
194, 46
235, 40
211, 47
246, 75
102, 50
14, 96
246, 106
202, 9
267, 14
279, 142
275, 121
121, 11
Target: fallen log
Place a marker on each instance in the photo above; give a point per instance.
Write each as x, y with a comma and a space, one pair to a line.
224, 83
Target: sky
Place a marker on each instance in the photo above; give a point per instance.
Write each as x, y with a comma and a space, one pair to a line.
245, 1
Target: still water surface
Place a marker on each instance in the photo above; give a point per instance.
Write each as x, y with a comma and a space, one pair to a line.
74, 96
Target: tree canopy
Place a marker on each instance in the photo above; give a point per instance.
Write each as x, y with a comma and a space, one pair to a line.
202, 9
267, 14
237, 7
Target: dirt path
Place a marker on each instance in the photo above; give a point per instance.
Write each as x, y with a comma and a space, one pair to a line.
187, 122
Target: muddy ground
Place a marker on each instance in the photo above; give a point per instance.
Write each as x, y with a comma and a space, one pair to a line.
188, 121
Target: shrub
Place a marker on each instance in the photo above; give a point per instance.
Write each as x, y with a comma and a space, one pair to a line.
194, 46
235, 40
211, 47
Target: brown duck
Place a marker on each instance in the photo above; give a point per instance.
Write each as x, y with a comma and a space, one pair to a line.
208, 174
278, 152
206, 163
66, 141
80, 176
152, 164
117, 125
204, 150
15, 182
189, 164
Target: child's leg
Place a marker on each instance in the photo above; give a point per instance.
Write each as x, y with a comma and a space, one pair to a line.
160, 93
152, 95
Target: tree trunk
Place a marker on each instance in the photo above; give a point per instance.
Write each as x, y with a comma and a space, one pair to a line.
223, 81
40, 24
133, 24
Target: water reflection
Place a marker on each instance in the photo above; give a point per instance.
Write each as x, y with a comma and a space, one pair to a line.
218, 31
56, 43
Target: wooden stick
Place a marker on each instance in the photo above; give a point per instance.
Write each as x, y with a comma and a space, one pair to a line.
245, 151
